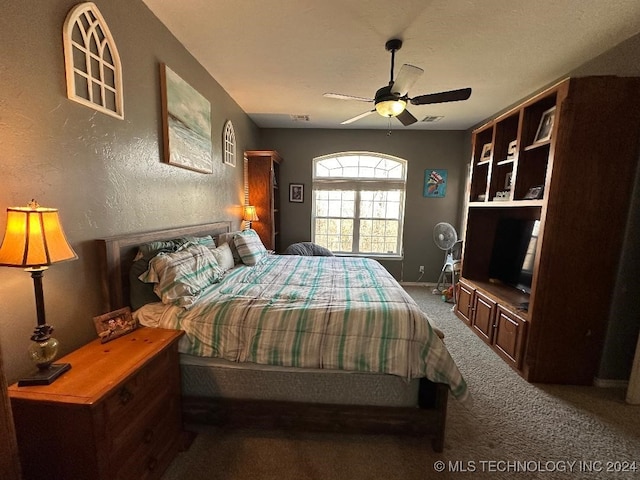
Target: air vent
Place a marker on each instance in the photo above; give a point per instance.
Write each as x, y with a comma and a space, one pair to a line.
432, 118
300, 118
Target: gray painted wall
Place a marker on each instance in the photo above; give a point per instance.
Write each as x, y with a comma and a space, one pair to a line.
105, 175
422, 150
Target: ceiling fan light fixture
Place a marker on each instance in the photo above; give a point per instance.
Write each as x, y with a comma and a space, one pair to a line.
391, 108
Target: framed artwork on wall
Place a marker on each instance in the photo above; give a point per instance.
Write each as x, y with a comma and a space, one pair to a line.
186, 123
435, 183
296, 192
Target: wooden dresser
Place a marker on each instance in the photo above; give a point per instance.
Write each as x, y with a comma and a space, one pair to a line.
114, 415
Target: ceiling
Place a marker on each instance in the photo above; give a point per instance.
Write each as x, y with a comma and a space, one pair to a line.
276, 58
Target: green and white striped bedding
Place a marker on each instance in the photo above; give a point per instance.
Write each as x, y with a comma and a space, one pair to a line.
314, 312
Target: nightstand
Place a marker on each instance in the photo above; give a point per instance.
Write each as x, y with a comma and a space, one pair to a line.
114, 415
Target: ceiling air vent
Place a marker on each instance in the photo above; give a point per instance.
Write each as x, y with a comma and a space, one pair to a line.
432, 118
300, 118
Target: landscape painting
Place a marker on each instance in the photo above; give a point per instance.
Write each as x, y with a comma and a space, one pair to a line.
186, 120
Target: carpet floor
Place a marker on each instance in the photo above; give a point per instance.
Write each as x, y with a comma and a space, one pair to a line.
511, 429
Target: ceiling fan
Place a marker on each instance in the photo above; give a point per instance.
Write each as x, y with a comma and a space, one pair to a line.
391, 100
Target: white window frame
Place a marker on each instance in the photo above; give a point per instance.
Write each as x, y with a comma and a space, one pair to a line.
229, 142
89, 56
358, 184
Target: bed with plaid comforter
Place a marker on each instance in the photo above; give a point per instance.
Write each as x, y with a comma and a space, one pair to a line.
342, 313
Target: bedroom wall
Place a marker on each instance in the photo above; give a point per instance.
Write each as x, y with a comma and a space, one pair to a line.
422, 149
105, 175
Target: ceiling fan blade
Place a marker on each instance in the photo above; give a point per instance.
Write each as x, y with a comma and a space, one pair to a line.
406, 118
442, 97
357, 117
407, 76
339, 96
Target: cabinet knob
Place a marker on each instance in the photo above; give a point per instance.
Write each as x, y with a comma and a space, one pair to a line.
125, 396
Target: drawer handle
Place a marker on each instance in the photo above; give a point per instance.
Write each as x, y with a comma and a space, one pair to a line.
152, 464
148, 436
125, 396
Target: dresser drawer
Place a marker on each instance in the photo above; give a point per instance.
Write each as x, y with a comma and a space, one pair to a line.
151, 452
123, 405
159, 413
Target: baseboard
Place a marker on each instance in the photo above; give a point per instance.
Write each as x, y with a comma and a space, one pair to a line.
418, 284
610, 383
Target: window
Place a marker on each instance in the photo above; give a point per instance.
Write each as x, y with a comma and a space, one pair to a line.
358, 203
92, 63
229, 142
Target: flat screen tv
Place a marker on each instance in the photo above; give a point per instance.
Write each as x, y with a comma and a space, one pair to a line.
514, 251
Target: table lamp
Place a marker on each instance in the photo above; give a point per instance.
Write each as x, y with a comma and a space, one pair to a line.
33, 240
250, 214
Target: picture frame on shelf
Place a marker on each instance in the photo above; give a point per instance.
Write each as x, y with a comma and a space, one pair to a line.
512, 149
486, 152
507, 181
296, 193
545, 128
535, 193
114, 324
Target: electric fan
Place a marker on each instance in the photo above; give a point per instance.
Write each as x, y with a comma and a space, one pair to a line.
446, 238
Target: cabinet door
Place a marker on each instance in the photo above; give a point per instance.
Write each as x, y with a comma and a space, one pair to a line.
465, 299
509, 336
483, 314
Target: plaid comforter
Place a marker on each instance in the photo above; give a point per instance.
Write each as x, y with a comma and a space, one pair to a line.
314, 312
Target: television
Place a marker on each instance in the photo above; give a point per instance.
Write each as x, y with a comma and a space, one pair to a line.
514, 250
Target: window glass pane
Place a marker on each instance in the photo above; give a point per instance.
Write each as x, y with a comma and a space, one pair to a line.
343, 203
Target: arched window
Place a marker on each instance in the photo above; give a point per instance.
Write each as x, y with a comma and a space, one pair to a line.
94, 74
229, 144
358, 203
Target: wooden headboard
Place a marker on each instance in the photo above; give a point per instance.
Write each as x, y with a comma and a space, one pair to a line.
117, 254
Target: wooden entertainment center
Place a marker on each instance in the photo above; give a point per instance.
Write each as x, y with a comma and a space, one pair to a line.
567, 158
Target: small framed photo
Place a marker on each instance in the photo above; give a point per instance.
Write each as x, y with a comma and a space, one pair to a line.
546, 126
296, 192
535, 193
486, 152
507, 181
114, 324
512, 149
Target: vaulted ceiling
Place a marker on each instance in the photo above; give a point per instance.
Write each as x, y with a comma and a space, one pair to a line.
276, 58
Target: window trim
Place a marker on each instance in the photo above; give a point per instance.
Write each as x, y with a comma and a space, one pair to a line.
356, 184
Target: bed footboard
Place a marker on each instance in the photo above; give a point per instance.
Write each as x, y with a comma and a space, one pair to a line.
427, 420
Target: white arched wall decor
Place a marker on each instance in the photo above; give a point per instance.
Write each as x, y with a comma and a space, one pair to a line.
92, 62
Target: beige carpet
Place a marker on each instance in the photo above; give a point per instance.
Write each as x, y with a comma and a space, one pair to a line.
512, 430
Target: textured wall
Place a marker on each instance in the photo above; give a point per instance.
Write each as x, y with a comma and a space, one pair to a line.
422, 149
105, 175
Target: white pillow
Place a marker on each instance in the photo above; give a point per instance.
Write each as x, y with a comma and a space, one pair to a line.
224, 256
250, 247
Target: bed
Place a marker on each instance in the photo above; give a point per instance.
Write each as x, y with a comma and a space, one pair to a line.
389, 373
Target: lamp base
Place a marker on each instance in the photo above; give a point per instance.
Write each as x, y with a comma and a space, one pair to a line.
45, 376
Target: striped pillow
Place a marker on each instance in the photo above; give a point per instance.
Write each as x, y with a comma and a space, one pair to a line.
180, 276
250, 247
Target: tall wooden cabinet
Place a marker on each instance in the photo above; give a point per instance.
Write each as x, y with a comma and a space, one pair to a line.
263, 175
576, 181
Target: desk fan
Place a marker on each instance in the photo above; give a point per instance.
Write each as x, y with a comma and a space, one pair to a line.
446, 238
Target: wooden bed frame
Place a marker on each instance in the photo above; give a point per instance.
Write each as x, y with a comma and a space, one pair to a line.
427, 419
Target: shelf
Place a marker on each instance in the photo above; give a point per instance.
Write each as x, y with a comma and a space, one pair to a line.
484, 162
533, 146
506, 162
509, 203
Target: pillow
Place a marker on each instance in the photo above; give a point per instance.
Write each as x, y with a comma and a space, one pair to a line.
140, 293
151, 249
228, 238
180, 276
224, 257
250, 247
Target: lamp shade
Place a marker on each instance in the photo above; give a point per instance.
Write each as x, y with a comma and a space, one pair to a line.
250, 214
34, 238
